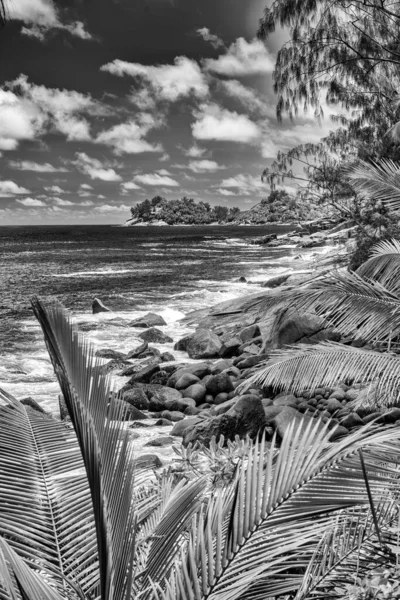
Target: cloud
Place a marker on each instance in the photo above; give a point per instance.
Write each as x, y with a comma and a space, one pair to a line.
248, 97
167, 82
156, 179
243, 184
55, 189
216, 123
27, 165
204, 166
42, 16
242, 59
213, 39
86, 186
19, 120
107, 208
128, 186
8, 189
127, 138
94, 168
31, 202
62, 202
195, 151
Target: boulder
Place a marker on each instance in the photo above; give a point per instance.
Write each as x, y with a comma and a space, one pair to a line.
338, 432
149, 353
352, 420
220, 409
147, 461
198, 369
113, 365
220, 398
160, 377
109, 353
286, 401
390, 416
138, 350
197, 392
180, 426
33, 404
204, 344
161, 396
191, 411
163, 423
136, 397
293, 326
270, 412
182, 344
333, 405
283, 420
186, 380
130, 413
218, 384
220, 365
172, 415
251, 361
163, 440
180, 404
155, 335
167, 357
248, 333
245, 417
149, 320
230, 347
145, 374
337, 394
98, 307
275, 281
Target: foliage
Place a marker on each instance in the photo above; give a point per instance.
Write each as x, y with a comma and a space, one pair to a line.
185, 212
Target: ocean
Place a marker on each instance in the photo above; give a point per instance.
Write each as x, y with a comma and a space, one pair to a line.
168, 270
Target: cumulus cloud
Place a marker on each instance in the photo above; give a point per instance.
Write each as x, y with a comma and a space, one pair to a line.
213, 39
224, 192
42, 16
27, 165
107, 208
55, 189
167, 82
248, 97
31, 202
243, 184
195, 151
216, 123
156, 179
94, 168
62, 202
8, 189
127, 138
204, 166
28, 111
86, 186
242, 59
129, 186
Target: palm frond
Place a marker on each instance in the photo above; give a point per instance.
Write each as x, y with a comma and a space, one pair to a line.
18, 581
104, 444
45, 505
351, 546
283, 504
353, 306
380, 181
306, 367
384, 265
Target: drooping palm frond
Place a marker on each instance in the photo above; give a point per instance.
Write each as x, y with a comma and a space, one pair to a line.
306, 367
45, 505
350, 547
3, 12
353, 306
104, 444
18, 581
380, 181
283, 504
384, 265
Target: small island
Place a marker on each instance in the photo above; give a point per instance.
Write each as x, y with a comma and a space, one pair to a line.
277, 207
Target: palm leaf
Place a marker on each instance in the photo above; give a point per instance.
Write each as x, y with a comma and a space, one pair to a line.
104, 444
45, 505
384, 265
349, 547
282, 506
380, 181
353, 306
306, 367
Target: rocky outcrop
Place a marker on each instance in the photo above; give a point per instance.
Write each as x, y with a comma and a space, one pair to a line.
98, 307
204, 344
155, 335
149, 320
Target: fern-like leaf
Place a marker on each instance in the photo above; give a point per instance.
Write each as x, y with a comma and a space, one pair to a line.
380, 181
384, 265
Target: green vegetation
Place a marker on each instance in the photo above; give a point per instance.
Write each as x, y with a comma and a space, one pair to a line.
182, 212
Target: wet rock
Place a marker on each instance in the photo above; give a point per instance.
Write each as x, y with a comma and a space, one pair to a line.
180, 405
339, 432
148, 461
109, 353
163, 395
352, 420
275, 281
333, 405
220, 409
198, 369
338, 394
164, 440
283, 420
197, 392
149, 353
230, 347
232, 372
160, 377
144, 375
167, 357
98, 307
192, 411
180, 427
163, 423
186, 380
140, 425
33, 404
136, 397
372, 417
113, 365
172, 415
248, 333
138, 351
182, 344
251, 361
220, 365
270, 412
204, 344
242, 280
155, 335
134, 435
218, 384
251, 349
390, 416
221, 398
130, 413
286, 401
149, 320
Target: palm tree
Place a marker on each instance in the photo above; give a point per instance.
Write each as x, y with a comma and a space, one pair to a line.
79, 521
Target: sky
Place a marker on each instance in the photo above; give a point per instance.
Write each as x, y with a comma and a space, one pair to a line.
104, 103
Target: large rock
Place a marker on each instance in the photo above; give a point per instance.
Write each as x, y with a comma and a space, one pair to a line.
180, 426
200, 370
185, 381
204, 344
292, 327
129, 412
182, 344
248, 333
109, 353
98, 307
113, 365
246, 417
137, 397
197, 392
144, 375
251, 361
163, 395
180, 404
149, 320
138, 350
230, 347
218, 384
155, 335
283, 421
